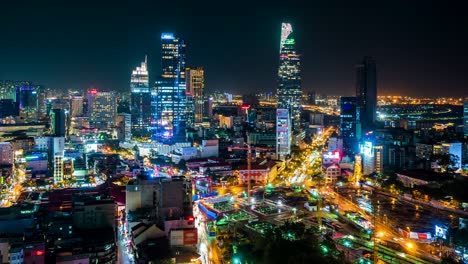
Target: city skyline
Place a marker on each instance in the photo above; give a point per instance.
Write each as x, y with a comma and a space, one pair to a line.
412, 56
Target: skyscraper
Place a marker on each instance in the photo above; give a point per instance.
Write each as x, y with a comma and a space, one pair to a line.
283, 133
366, 92
102, 108
195, 84
140, 101
169, 100
58, 120
465, 118
289, 77
349, 123
26, 98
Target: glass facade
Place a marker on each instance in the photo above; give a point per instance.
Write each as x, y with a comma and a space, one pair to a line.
349, 123
195, 85
140, 101
289, 77
169, 102
366, 91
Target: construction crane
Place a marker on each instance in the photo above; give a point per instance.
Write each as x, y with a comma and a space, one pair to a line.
249, 160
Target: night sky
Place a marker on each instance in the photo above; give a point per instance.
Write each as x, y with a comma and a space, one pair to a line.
420, 48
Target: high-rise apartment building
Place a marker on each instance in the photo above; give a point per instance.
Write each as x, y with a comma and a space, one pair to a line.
366, 92
169, 99
349, 123
289, 77
195, 81
140, 106
102, 108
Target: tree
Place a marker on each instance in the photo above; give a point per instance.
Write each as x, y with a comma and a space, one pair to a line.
447, 161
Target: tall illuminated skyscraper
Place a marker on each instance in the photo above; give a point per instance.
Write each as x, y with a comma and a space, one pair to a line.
169, 99
195, 84
140, 101
366, 92
289, 77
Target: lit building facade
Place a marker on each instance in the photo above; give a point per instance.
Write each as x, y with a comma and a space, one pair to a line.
283, 133
169, 99
140, 101
195, 81
366, 92
349, 123
76, 106
289, 77
102, 108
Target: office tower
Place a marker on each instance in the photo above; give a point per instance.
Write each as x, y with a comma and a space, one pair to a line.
58, 121
26, 98
283, 133
169, 100
8, 107
289, 77
140, 106
465, 118
102, 108
349, 123
123, 123
76, 105
195, 81
366, 92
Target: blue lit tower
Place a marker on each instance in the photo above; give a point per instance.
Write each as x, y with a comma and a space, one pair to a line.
140, 101
366, 92
169, 99
349, 123
289, 77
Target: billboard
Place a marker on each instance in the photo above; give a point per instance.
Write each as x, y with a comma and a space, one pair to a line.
366, 149
184, 237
